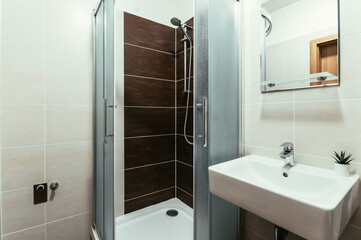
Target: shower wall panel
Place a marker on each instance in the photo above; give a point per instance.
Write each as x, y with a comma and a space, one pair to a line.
149, 112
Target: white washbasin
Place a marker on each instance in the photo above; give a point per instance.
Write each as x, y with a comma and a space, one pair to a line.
312, 202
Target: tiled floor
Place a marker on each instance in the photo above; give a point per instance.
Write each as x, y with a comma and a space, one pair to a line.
153, 223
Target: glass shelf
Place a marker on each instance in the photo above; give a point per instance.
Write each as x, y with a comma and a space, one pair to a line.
316, 77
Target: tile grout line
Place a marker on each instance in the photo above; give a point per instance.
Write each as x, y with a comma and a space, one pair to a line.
148, 107
149, 78
176, 115
149, 136
44, 224
150, 49
145, 195
149, 165
44, 145
186, 164
46, 105
294, 119
49, 65
185, 192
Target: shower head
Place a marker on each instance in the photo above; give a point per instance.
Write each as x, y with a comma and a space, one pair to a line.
176, 22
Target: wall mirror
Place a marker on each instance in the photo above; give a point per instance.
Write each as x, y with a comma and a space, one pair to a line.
300, 44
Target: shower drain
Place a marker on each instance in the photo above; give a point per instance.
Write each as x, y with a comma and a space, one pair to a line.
172, 213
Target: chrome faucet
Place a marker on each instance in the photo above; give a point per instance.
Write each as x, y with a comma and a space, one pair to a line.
288, 154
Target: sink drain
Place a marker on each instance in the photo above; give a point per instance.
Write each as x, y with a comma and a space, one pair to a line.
172, 213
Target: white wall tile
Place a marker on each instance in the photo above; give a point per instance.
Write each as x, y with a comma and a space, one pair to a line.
69, 161
46, 58
68, 86
22, 167
69, 14
325, 126
19, 211
77, 227
36, 233
22, 30
22, 125
69, 124
268, 125
74, 196
66, 48
350, 19
22, 82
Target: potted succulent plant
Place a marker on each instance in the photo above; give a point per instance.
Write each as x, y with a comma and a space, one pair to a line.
342, 163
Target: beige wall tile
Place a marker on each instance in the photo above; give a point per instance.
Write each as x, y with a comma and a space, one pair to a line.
268, 125
69, 160
322, 127
36, 233
314, 161
266, 152
22, 125
19, 212
77, 227
68, 86
23, 34
22, 167
22, 82
349, 14
351, 233
74, 196
69, 124
77, 17
59, 51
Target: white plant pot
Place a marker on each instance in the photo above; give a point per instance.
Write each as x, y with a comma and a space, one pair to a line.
342, 169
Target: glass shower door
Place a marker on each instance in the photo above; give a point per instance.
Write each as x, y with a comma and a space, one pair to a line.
217, 114
103, 195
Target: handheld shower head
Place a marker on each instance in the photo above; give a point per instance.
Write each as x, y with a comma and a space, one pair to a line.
176, 22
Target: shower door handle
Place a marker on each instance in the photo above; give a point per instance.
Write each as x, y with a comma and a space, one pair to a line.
106, 106
205, 121
204, 106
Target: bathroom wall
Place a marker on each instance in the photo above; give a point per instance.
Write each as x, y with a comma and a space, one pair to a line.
149, 112
184, 149
46, 119
317, 121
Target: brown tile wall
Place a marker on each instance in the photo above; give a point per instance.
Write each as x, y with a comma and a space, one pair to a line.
154, 101
184, 150
149, 113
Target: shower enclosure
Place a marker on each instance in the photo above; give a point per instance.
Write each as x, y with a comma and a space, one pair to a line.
166, 108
